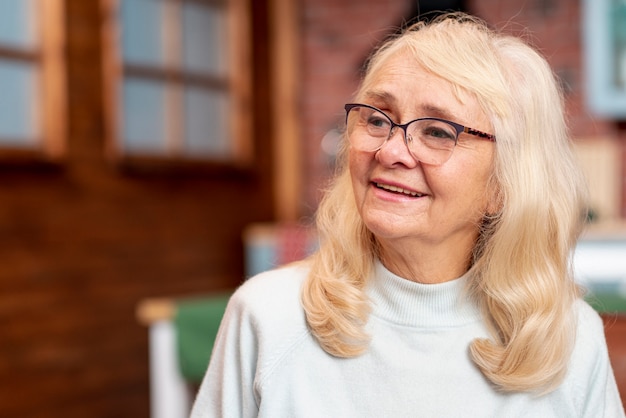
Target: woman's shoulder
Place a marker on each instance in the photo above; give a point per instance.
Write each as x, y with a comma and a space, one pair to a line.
266, 312
589, 321
590, 346
274, 283
590, 380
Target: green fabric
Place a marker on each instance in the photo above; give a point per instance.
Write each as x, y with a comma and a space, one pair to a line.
197, 321
606, 303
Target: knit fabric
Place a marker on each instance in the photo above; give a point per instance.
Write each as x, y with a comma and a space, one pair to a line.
266, 363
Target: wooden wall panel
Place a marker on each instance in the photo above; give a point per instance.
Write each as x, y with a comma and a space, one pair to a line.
84, 241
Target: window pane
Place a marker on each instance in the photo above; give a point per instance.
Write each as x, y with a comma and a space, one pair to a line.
204, 38
144, 116
206, 124
142, 36
619, 42
17, 23
18, 119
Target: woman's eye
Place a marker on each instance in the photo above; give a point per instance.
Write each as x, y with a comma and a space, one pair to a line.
439, 133
377, 122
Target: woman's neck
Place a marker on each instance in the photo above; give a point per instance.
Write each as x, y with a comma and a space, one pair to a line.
427, 263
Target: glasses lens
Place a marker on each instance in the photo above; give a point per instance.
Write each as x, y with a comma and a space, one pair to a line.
431, 141
367, 128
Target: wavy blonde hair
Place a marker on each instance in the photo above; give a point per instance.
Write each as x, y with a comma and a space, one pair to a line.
521, 270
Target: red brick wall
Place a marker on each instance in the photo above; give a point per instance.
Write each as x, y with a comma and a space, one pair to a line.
336, 39
554, 27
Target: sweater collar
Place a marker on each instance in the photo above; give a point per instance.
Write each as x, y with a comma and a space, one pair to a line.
408, 303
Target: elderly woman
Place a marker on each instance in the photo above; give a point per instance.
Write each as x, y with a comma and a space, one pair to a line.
442, 286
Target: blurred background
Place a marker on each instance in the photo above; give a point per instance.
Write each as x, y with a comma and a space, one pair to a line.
141, 142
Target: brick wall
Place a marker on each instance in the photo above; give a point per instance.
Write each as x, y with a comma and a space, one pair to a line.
554, 27
337, 36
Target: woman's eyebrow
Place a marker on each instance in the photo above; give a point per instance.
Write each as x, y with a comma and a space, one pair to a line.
432, 110
380, 96
423, 110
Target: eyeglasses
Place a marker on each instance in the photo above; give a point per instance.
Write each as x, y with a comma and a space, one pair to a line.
429, 140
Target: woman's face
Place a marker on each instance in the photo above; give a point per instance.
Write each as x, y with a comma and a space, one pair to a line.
407, 204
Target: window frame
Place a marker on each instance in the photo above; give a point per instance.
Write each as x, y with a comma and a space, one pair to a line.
48, 57
603, 98
238, 86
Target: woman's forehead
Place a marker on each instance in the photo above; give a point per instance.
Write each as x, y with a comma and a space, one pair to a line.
405, 81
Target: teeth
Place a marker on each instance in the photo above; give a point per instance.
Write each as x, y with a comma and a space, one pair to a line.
398, 190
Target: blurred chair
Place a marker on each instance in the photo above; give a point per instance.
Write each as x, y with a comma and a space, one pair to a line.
181, 337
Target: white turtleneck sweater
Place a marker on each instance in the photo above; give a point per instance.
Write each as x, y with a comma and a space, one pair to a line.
266, 363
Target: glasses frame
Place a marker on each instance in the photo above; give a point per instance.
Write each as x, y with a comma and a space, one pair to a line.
457, 126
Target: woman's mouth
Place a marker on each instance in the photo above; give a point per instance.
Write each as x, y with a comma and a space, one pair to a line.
398, 190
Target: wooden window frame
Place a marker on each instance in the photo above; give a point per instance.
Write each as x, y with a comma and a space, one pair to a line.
239, 87
285, 77
51, 100
603, 97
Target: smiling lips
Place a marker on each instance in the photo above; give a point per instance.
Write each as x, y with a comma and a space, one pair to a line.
399, 190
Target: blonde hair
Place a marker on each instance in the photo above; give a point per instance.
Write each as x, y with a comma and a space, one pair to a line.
521, 272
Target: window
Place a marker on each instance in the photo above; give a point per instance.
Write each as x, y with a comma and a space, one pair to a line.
177, 79
605, 56
32, 77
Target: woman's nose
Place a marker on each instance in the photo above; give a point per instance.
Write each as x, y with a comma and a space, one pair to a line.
395, 150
